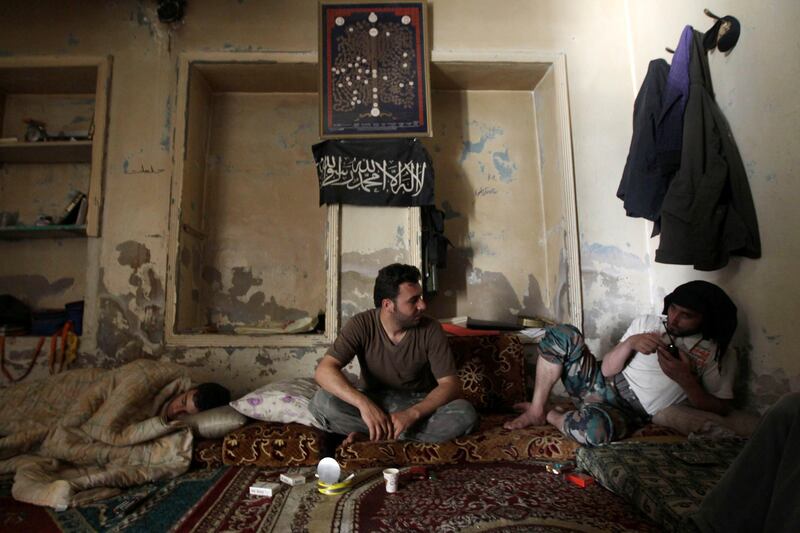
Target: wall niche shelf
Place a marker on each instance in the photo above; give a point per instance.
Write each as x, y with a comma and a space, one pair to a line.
69, 94
43, 232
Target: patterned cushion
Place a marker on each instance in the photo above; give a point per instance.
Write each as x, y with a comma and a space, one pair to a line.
667, 482
273, 444
490, 442
207, 453
492, 370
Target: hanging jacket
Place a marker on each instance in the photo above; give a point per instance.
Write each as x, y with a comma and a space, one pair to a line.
708, 212
655, 151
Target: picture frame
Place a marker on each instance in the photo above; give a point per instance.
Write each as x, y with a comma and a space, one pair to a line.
374, 62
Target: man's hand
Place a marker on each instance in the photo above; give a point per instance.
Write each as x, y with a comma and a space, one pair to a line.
378, 422
679, 369
402, 420
645, 343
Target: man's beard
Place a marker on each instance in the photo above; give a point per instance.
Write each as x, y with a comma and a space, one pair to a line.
407, 321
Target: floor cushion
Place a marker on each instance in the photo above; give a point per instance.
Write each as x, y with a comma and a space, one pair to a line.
491, 369
490, 442
207, 453
273, 444
665, 481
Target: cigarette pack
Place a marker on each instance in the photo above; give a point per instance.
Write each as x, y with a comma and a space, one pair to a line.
264, 488
293, 479
579, 479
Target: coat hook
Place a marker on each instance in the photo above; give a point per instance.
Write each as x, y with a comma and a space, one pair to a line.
710, 14
668, 49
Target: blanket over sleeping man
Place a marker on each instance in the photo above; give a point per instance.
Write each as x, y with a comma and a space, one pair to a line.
77, 437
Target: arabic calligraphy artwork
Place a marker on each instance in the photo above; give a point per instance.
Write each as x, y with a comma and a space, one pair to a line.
374, 69
378, 172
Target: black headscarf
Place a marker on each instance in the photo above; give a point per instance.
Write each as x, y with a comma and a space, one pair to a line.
718, 310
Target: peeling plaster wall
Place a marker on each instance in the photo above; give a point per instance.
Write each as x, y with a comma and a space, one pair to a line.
607, 45
264, 258
488, 182
371, 238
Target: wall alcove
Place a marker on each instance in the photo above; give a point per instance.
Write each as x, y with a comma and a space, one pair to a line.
251, 247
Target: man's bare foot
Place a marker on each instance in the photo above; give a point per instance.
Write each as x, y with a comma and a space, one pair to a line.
528, 418
556, 417
354, 437
521, 407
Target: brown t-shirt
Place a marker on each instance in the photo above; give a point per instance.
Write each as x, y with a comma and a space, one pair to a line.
414, 364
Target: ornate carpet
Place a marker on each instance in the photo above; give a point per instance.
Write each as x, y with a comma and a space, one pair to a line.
500, 497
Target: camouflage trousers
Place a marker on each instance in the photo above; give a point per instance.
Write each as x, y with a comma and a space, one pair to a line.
602, 415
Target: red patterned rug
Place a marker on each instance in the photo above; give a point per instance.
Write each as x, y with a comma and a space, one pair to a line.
499, 497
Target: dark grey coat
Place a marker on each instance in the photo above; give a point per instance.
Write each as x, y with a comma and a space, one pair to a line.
708, 212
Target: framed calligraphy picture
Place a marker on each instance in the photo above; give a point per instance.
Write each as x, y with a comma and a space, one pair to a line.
374, 78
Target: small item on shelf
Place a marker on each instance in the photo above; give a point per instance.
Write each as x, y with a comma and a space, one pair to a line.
8, 140
44, 220
36, 130
72, 211
69, 136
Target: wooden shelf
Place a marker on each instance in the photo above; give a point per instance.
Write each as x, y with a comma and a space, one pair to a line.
46, 152
43, 232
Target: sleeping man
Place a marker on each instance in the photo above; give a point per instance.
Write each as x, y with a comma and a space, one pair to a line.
201, 398
659, 362
75, 437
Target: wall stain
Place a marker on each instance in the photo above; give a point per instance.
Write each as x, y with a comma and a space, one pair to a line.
504, 165
469, 147
227, 310
166, 132
242, 281
611, 255
133, 254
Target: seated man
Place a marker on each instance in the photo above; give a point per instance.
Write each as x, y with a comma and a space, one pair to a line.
200, 398
659, 362
759, 490
410, 387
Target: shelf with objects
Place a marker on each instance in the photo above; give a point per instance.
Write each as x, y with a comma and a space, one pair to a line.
52, 144
53, 114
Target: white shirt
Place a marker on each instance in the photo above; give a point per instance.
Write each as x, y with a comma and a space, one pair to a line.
654, 389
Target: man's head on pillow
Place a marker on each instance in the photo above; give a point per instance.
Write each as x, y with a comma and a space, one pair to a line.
201, 398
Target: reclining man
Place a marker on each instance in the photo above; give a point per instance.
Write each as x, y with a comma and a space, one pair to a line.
658, 363
200, 398
410, 387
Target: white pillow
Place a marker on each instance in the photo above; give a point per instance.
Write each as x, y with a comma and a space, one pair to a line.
282, 401
214, 423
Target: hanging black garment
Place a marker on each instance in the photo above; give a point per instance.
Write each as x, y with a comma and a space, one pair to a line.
655, 152
644, 182
379, 172
708, 212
